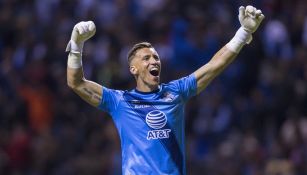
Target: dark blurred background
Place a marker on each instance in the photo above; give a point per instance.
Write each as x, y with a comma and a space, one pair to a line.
251, 120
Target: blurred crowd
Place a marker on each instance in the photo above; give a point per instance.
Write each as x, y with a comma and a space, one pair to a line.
251, 120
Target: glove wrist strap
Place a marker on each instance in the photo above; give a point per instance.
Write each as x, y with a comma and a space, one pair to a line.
74, 47
241, 38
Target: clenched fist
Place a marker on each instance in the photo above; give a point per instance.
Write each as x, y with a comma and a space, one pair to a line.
250, 18
81, 32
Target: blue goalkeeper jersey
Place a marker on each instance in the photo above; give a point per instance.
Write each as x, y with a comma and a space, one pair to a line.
151, 126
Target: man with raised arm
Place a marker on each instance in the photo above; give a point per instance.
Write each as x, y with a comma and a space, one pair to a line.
150, 117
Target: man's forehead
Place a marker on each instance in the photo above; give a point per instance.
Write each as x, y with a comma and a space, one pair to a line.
146, 51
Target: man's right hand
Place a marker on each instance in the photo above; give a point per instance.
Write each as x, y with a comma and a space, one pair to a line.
82, 31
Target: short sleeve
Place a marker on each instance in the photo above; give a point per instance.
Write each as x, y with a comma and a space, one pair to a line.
110, 100
187, 86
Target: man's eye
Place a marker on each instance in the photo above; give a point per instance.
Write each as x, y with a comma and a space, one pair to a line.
156, 58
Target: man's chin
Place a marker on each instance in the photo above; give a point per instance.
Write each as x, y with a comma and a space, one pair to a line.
156, 79
154, 82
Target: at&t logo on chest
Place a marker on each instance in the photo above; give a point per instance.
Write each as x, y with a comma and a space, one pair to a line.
156, 120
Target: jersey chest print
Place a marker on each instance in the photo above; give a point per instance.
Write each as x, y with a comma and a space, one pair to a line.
159, 128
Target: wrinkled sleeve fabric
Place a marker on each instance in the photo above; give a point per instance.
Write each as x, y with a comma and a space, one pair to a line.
110, 100
186, 86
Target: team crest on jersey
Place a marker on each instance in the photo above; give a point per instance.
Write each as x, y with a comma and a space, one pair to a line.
168, 97
157, 120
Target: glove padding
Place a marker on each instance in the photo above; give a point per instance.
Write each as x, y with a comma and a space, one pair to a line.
81, 32
250, 18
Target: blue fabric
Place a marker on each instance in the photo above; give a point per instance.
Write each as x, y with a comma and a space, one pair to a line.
151, 126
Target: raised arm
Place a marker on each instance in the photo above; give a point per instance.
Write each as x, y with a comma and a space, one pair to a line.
89, 91
250, 18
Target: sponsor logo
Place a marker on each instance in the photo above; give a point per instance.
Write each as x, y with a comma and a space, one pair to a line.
156, 120
158, 134
141, 106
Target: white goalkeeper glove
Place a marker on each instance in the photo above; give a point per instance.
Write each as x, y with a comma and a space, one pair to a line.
82, 31
250, 19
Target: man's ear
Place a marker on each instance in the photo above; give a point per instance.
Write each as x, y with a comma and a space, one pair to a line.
133, 70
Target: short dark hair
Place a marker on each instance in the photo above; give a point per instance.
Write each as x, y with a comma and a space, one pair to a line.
137, 47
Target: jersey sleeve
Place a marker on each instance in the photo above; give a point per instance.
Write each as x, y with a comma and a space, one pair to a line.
186, 86
110, 100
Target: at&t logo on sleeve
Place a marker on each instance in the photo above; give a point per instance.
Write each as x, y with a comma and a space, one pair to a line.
156, 120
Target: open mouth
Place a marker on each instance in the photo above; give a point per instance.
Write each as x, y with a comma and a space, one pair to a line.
154, 72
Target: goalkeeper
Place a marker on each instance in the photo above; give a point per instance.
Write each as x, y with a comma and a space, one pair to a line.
150, 117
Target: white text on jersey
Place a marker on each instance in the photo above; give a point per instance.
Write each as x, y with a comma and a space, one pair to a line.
158, 134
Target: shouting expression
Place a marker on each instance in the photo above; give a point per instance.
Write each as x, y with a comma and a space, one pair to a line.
146, 68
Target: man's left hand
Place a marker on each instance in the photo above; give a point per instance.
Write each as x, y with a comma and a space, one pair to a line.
250, 18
